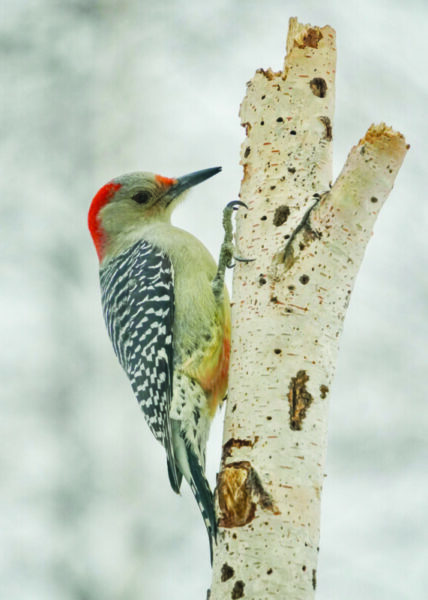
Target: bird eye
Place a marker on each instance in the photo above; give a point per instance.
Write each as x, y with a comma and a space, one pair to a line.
141, 197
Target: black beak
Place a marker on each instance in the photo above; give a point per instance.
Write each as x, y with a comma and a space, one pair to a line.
187, 181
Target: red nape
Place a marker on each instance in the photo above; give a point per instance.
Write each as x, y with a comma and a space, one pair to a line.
166, 181
100, 199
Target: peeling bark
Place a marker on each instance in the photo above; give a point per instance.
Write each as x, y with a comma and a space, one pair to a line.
308, 239
299, 399
239, 492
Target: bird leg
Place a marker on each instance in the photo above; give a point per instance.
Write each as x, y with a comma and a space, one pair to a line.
227, 248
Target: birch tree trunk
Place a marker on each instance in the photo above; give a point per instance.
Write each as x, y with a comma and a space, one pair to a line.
308, 240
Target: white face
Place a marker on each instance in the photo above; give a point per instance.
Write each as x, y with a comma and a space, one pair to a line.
142, 197
134, 201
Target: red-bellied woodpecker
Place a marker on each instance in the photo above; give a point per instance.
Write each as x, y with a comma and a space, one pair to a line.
167, 313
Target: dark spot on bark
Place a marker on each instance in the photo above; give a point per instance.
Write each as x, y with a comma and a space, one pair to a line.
238, 590
274, 299
299, 399
268, 418
324, 391
318, 86
277, 350
314, 578
262, 122
301, 246
226, 572
269, 572
291, 169
247, 152
272, 187
281, 215
263, 218
263, 97
291, 287
262, 280
328, 135
234, 408
304, 568
293, 132
280, 120
304, 279
373, 199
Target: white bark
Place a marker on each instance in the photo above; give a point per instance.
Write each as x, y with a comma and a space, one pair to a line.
287, 315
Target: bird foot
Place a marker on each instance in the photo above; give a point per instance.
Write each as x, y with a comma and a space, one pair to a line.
227, 247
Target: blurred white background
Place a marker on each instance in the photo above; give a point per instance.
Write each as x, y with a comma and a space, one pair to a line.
91, 89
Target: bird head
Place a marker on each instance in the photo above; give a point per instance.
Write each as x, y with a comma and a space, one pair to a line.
126, 202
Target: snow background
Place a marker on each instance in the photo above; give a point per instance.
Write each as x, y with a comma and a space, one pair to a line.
92, 89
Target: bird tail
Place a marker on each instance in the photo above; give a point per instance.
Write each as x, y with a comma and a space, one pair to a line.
190, 464
204, 497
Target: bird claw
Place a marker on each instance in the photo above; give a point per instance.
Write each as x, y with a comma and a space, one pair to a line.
235, 204
244, 260
239, 259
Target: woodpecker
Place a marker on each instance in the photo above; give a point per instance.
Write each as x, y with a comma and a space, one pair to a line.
167, 313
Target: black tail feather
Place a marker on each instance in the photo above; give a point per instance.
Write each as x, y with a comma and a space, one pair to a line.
175, 480
204, 497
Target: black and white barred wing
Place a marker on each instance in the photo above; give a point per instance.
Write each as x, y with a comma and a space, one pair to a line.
138, 303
